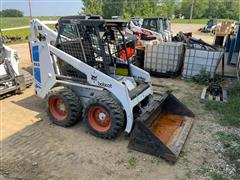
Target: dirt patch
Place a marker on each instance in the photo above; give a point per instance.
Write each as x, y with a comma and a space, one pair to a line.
19, 111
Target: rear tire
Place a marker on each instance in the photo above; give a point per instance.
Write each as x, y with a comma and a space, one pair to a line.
104, 117
64, 107
28, 78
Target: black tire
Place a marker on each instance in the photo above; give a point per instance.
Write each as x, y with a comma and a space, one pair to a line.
71, 103
28, 78
116, 116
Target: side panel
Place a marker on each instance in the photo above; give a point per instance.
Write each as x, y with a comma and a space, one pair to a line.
36, 68
139, 73
43, 71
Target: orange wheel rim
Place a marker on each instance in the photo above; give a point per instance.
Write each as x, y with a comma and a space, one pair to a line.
57, 108
99, 118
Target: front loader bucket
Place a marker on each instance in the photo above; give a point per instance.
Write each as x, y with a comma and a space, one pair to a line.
163, 128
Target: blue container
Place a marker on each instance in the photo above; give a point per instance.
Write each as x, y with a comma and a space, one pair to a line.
237, 43
231, 50
227, 43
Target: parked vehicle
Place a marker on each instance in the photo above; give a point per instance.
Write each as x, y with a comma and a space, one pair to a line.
134, 26
80, 72
210, 27
160, 28
12, 78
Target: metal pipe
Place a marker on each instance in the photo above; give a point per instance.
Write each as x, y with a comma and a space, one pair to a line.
30, 8
124, 44
68, 78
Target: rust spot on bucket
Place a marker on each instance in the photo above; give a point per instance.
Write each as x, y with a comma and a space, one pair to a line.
165, 126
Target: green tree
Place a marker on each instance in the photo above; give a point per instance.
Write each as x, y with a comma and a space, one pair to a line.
162, 10
112, 8
212, 9
223, 9
142, 8
93, 7
11, 13
199, 8
131, 8
177, 9
232, 9
170, 7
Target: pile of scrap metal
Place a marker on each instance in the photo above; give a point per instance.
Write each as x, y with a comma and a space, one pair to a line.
191, 41
181, 37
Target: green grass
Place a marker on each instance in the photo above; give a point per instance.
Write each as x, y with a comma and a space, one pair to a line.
10, 22
132, 162
227, 138
229, 112
235, 89
229, 115
217, 176
180, 178
23, 33
204, 78
231, 145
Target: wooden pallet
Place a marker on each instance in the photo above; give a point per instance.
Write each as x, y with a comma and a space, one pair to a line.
207, 96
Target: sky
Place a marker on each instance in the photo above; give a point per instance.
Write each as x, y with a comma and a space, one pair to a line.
44, 7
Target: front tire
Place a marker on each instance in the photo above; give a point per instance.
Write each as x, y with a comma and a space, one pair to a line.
64, 107
104, 117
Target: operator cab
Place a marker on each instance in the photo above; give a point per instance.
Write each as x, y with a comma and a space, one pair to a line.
97, 42
156, 24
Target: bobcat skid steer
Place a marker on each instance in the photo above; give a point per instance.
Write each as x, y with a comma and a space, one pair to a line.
12, 78
79, 71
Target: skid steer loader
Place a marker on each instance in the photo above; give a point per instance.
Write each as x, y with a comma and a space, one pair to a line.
79, 71
12, 78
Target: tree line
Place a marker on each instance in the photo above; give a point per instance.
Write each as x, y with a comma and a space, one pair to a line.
224, 9
11, 13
